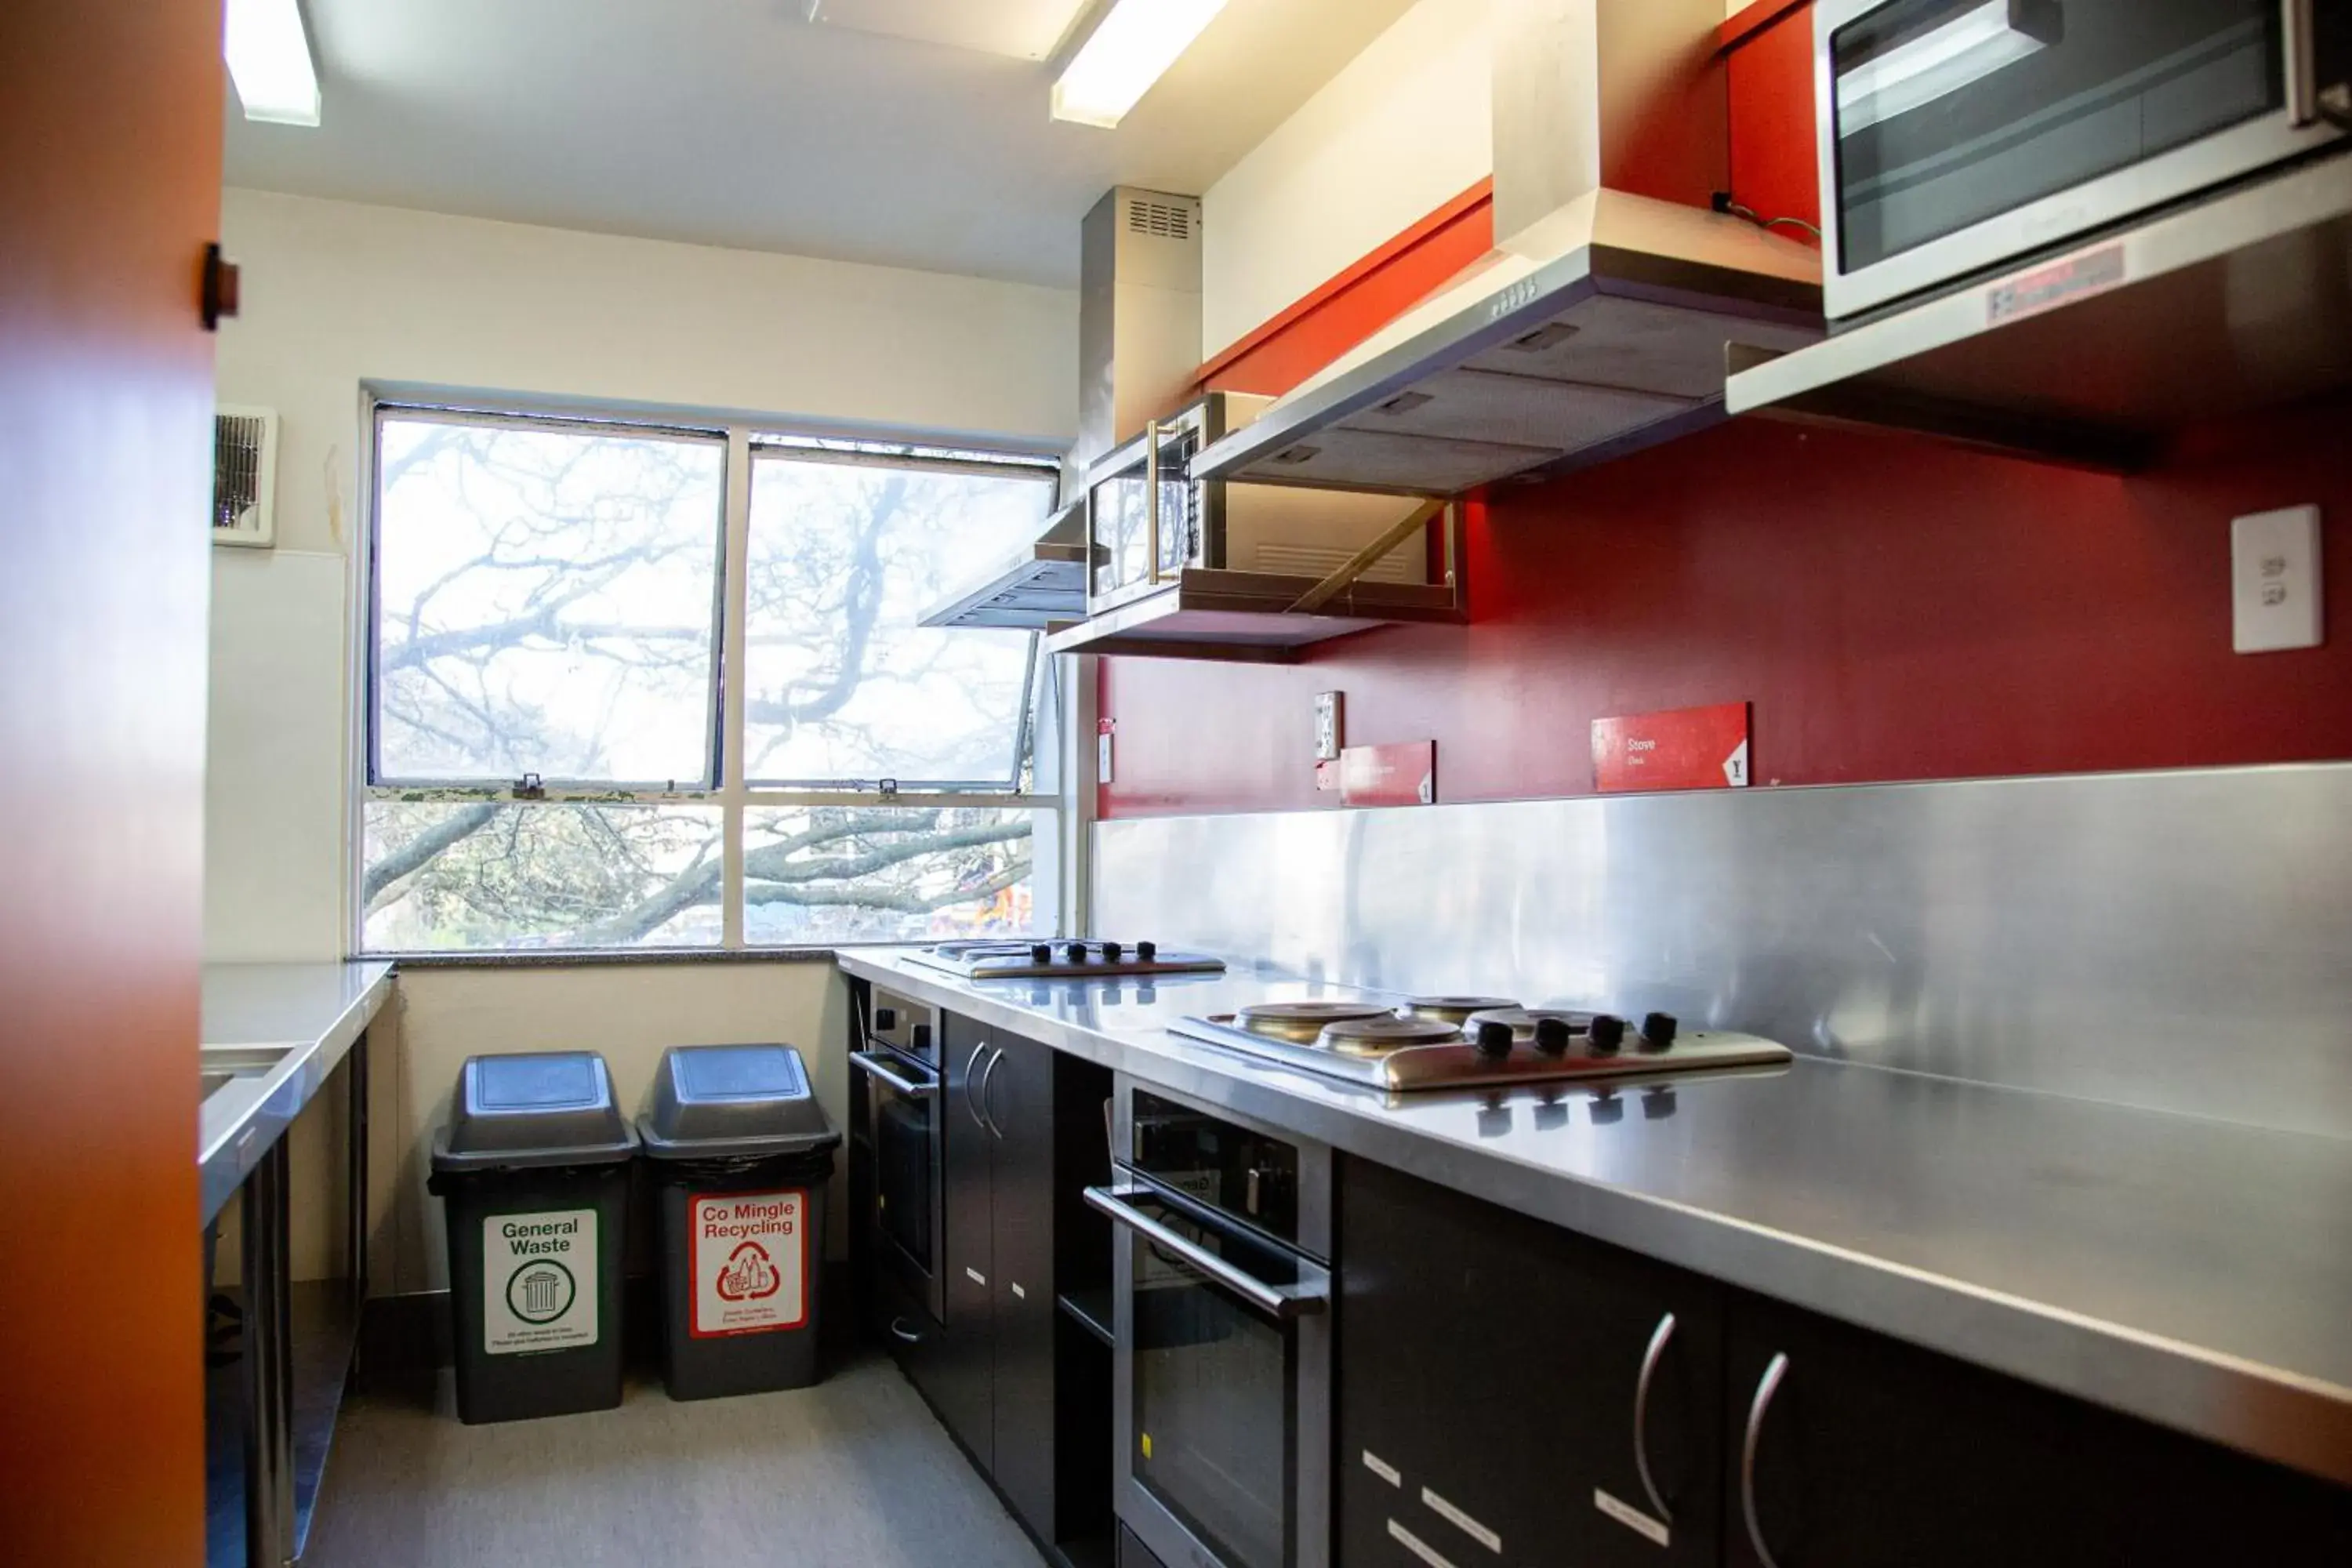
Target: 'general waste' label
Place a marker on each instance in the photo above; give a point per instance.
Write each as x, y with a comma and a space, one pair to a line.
539, 1282
749, 1256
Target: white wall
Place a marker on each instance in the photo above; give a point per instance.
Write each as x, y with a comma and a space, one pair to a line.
338, 296
1405, 128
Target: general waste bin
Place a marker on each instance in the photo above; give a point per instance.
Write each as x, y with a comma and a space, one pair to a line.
534, 1171
739, 1153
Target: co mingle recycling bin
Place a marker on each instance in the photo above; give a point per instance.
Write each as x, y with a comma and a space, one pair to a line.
534, 1170
739, 1152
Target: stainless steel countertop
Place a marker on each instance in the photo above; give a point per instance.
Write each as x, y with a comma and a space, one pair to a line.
281, 1028
2191, 1273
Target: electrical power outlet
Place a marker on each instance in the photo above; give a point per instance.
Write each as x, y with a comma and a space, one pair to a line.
2275, 578
1330, 728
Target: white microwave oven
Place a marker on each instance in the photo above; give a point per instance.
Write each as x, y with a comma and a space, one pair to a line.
1958, 137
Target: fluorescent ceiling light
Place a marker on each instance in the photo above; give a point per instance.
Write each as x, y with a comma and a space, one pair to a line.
1963, 51
269, 59
1130, 48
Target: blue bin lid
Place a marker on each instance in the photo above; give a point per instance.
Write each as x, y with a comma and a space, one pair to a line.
734, 1102
532, 1111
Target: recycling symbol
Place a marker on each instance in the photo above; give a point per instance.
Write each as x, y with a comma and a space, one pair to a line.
749, 1275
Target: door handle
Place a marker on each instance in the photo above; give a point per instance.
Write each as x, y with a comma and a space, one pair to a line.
873, 1064
987, 1080
904, 1334
1767, 1388
1660, 1338
1308, 1296
970, 1104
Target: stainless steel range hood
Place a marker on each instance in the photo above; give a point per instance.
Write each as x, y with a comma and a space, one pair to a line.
1598, 325
1044, 585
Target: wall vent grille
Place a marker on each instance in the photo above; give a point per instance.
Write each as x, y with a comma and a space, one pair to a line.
244, 476
1161, 220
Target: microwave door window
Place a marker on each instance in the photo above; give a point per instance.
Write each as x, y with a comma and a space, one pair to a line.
1180, 522
1215, 1423
1951, 112
1122, 530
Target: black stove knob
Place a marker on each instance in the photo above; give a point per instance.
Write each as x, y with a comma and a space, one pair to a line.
1493, 1040
1145, 952
1042, 952
1658, 1030
1552, 1036
1112, 952
1075, 952
1606, 1033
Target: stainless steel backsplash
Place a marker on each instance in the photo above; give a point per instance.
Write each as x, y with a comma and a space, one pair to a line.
2180, 942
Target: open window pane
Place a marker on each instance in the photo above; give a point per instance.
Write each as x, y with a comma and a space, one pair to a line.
840, 874
456, 876
841, 685
546, 601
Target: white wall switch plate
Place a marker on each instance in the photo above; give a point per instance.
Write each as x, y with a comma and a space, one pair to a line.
2275, 580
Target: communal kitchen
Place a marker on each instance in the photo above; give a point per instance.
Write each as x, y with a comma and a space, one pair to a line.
1180, 783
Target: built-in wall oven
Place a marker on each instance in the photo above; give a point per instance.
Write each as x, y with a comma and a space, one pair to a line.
1220, 1262
902, 1122
1959, 136
1149, 520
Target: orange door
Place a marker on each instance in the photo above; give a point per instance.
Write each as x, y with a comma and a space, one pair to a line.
109, 186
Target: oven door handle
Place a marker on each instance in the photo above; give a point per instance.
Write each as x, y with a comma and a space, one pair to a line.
1282, 1303
874, 1065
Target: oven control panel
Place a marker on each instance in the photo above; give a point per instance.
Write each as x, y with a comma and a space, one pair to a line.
903, 1024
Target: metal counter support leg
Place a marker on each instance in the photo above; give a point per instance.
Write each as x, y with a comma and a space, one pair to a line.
355, 1240
268, 1366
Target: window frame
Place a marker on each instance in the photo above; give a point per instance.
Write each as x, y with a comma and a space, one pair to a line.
1043, 725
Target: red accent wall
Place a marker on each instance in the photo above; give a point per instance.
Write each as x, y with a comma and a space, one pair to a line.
1895, 609
1774, 168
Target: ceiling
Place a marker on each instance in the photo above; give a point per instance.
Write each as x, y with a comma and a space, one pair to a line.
908, 132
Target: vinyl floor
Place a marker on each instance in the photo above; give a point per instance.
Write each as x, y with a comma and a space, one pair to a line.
854, 1473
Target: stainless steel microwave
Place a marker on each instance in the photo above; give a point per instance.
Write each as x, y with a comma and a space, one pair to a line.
1959, 136
1149, 520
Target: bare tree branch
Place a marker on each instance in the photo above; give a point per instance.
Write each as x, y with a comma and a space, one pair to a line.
424, 849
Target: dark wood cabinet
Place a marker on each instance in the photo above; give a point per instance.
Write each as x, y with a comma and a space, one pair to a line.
1869, 1451
994, 1386
1504, 1386
1019, 1100
963, 1382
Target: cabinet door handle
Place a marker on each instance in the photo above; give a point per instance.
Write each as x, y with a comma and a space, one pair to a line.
969, 1103
1660, 1338
899, 1332
987, 1079
1767, 1387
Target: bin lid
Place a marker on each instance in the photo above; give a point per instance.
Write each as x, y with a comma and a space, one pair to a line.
733, 1103
547, 1108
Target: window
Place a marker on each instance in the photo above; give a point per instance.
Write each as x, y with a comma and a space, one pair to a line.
585, 730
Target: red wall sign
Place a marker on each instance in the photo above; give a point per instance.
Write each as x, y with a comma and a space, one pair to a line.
1685, 748
1402, 775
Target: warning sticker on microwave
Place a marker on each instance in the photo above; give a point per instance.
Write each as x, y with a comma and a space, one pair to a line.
539, 1282
748, 1252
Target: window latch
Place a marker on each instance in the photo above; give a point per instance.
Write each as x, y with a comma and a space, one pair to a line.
889, 787
530, 787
